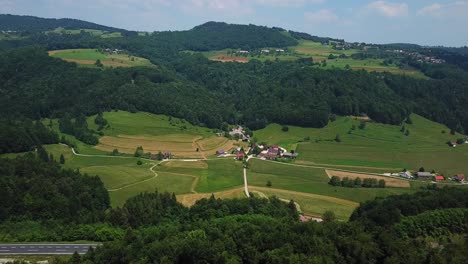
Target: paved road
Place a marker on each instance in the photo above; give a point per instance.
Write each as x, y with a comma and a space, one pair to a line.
44, 249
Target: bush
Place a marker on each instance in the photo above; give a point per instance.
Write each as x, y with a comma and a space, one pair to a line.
139, 162
285, 129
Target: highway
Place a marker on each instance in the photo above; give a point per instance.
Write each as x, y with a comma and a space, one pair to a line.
44, 249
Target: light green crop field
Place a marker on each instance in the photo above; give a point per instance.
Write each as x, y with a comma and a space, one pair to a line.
376, 146
88, 58
217, 175
122, 176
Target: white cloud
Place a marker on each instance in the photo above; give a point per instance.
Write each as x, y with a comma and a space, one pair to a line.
430, 9
295, 3
388, 9
449, 10
321, 16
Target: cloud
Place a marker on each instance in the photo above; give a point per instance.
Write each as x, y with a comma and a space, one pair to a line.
295, 3
321, 16
449, 10
388, 9
430, 9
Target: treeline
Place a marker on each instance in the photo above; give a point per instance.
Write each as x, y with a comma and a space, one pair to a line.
24, 135
305, 36
357, 182
78, 127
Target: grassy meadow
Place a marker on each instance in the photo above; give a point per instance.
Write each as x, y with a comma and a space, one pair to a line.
377, 148
88, 58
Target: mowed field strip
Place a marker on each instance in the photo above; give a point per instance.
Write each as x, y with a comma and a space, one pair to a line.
88, 57
389, 181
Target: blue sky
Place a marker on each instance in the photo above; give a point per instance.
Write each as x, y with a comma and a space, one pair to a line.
426, 22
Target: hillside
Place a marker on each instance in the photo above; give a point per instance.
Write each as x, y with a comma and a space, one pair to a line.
37, 24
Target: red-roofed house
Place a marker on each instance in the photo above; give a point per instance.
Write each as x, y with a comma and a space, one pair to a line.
459, 177
439, 178
240, 156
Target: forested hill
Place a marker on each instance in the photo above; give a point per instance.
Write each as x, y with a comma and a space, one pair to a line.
219, 35
38, 24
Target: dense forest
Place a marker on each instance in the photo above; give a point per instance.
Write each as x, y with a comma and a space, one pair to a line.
37, 24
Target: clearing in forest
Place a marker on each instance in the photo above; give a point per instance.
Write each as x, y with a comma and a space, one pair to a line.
88, 58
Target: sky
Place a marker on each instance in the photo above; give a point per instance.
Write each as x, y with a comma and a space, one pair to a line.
424, 22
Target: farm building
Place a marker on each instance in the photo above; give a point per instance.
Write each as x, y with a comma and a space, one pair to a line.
459, 178
439, 178
290, 155
452, 144
221, 152
406, 174
424, 175
240, 156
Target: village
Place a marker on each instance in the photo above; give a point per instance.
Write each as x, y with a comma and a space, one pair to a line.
262, 151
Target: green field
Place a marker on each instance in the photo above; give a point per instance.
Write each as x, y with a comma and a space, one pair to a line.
122, 176
94, 32
88, 58
378, 146
217, 175
319, 53
309, 180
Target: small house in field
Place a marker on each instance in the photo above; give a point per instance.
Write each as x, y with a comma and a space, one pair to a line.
452, 144
290, 155
424, 175
439, 178
220, 152
240, 156
459, 178
265, 51
243, 52
406, 174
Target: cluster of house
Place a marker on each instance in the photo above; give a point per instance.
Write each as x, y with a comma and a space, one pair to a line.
419, 57
429, 176
239, 132
263, 51
454, 144
114, 51
273, 152
239, 153
165, 155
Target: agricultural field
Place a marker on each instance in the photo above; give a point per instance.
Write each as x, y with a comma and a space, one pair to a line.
88, 58
94, 32
156, 133
376, 148
122, 176
319, 53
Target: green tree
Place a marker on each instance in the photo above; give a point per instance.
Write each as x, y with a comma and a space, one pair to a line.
285, 129
407, 132
362, 124
139, 152
329, 216
42, 153
338, 138
115, 152
139, 162
75, 259
408, 120
335, 181
98, 63
381, 184
62, 159
268, 184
